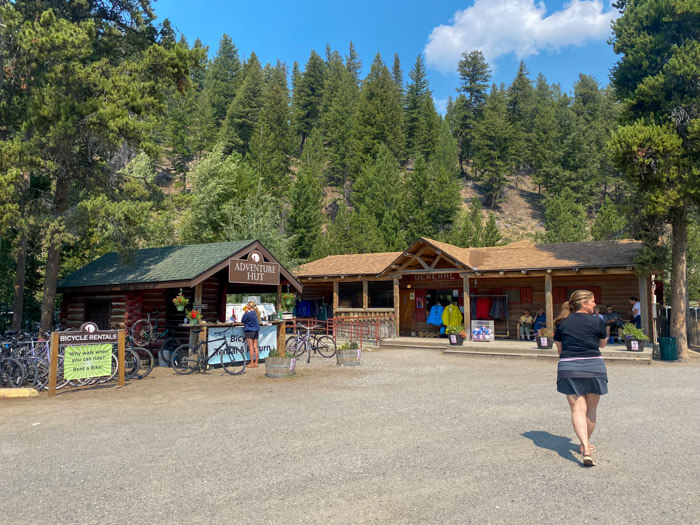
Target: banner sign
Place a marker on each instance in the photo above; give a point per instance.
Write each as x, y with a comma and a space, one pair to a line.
81, 362
254, 270
267, 341
105, 336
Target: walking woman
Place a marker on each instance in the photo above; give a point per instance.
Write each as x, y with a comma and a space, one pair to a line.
581, 373
252, 329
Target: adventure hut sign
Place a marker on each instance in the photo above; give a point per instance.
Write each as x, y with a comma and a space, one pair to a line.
253, 270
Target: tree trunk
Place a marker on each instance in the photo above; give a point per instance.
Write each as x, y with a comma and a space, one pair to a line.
53, 259
20, 274
679, 283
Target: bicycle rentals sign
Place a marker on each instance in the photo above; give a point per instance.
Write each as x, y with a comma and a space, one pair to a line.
86, 354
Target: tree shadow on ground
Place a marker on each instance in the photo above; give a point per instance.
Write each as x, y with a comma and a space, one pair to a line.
559, 444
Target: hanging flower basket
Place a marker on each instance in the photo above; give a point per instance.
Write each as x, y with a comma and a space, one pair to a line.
180, 301
194, 316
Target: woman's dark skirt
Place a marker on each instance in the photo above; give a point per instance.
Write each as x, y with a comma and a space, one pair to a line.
582, 376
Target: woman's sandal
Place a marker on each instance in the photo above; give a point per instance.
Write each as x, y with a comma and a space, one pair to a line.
591, 448
588, 460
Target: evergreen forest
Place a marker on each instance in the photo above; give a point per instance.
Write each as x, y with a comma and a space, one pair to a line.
119, 134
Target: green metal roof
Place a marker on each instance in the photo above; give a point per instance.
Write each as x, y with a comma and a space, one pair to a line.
153, 265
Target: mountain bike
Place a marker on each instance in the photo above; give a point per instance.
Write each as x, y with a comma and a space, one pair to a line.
306, 341
187, 359
144, 333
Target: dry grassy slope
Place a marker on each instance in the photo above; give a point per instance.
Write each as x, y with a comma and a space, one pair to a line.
520, 215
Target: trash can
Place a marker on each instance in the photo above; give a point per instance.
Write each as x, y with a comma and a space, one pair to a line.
667, 348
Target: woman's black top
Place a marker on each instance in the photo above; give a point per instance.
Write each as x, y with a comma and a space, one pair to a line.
580, 335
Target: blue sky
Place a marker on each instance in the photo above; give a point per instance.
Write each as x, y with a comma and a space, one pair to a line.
559, 39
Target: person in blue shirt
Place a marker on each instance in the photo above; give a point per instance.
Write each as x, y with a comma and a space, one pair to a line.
251, 327
540, 320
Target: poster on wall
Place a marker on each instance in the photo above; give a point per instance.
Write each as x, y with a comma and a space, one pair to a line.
267, 341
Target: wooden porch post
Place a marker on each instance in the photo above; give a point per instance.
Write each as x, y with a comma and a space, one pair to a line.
397, 306
467, 305
336, 287
278, 306
365, 295
644, 303
548, 302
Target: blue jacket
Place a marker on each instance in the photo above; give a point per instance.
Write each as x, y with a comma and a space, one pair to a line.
435, 315
250, 320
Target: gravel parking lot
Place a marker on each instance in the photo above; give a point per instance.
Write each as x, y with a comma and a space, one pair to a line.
410, 436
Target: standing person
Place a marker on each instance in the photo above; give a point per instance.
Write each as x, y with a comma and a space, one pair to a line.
636, 311
252, 330
581, 373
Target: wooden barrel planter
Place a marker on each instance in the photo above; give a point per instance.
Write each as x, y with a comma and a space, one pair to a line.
347, 356
280, 366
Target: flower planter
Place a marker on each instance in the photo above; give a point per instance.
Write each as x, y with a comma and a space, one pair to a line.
347, 356
179, 308
456, 339
544, 342
280, 366
634, 345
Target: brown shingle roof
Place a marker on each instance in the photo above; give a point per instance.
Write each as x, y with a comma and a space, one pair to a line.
525, 255
352, 264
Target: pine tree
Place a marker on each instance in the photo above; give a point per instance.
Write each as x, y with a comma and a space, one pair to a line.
337, 112
520, 100
397, 74
474, 76
494, 145
244, 112
222, 79
307, 97
609, 223
492, 234
378, 119
354, 64
304, 222
377, 191
418, 121
564, 218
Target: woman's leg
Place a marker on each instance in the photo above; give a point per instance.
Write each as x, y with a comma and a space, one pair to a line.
579, 418
249, 342
256, 352
591, 408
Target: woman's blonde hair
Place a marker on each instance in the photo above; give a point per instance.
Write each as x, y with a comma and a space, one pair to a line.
573, 304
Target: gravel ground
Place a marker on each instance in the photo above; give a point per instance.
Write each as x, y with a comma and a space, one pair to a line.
410, 436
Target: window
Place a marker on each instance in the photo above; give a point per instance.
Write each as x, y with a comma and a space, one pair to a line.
380, 294
350, 295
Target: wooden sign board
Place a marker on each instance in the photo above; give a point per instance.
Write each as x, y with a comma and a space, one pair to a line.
253, 270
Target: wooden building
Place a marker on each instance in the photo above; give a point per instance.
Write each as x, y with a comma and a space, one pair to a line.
115, 291
405, 285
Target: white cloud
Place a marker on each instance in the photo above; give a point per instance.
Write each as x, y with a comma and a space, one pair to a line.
522, 27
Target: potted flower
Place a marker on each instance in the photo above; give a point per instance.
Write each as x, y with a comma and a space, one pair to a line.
545, 338
180, 301
288, 301
277, 365
634, 337
194, 316
456, 334
348, 354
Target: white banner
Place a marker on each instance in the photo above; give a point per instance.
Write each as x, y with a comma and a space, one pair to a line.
236, 338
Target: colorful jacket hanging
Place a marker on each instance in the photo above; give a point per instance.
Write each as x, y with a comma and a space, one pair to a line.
435, 316
452, 316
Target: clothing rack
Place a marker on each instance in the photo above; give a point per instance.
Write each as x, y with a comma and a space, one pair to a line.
507, 334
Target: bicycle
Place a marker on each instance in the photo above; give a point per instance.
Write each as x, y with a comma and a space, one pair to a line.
143, 333
187, 359
300, 342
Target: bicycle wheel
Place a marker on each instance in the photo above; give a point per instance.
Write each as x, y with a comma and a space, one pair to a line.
232, 361
184, 359
40, 370
132, 363
145, 362
166, 351
325, 345
295, 346
141, 332
12, 372
112, 374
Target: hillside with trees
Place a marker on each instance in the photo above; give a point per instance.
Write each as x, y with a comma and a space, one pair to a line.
118, 134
